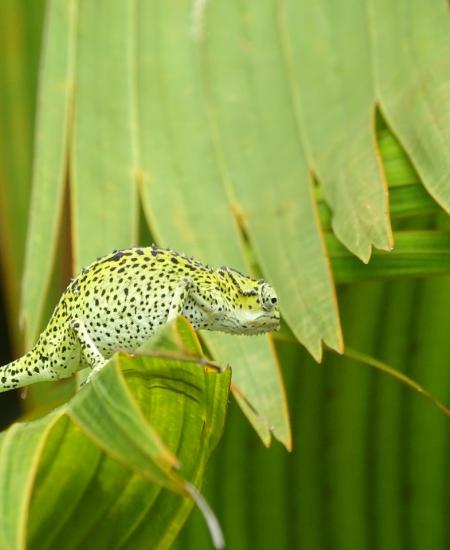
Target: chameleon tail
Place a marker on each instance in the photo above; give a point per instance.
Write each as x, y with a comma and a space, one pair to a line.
12, 376
25, 370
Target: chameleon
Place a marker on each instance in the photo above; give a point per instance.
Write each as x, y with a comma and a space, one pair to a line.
120, 300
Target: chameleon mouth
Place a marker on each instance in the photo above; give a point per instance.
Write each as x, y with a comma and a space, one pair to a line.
268, 323
259, 325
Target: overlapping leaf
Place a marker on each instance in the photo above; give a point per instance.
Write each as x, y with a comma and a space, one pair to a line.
328, 55
411, 40
145, 424
51, 142
417, 254
104, 137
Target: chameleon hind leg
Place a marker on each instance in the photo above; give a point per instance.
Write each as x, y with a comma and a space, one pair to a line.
88, 348
179, 298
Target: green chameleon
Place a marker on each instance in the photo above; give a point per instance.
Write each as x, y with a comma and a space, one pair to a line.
120, 300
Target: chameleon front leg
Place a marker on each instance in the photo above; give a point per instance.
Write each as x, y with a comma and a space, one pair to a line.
88, 348
179, 298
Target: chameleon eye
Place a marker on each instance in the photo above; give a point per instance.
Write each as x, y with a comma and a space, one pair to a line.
267, 296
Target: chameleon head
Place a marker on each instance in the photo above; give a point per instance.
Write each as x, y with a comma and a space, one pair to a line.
239, 304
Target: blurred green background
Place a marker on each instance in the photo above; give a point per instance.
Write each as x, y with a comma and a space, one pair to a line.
370, 461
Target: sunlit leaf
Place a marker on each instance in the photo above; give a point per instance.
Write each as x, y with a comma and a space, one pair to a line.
104, 189
54, 111
327, 49
264, 165
410, 40
183, 179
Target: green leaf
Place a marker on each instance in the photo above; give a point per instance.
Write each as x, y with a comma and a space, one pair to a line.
257, 383
198, 198
416, 254
397, 375
54, 112
192, 194
427, 433
327, 51
19, 454
407, 195
346, 415
143, 424
106, 412
397, 165
411, 200
264, 167
107, 162
19, 56
406, 201
104, 139
411, 76
395, 336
